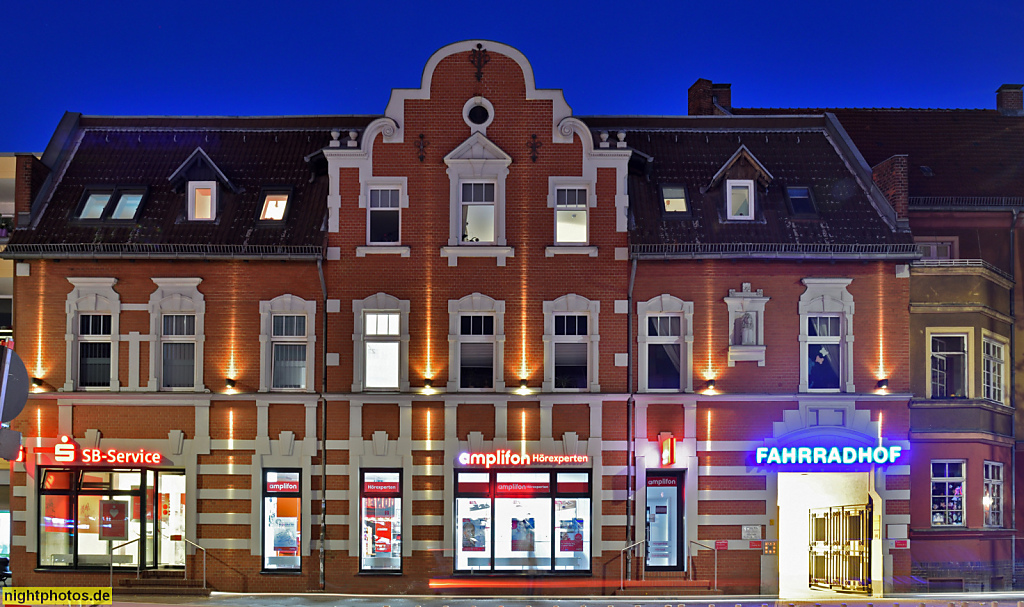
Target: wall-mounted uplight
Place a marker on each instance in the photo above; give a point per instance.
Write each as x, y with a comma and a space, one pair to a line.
882, 384
229, 384
37, 382
710, 385
428, 386
524, 387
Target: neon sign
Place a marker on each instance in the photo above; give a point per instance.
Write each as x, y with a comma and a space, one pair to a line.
507, 457
828, 455
66, 452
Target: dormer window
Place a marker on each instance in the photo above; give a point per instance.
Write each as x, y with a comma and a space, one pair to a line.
274, 206
114, 204
740, 199
800, 200
674, 199
202, 200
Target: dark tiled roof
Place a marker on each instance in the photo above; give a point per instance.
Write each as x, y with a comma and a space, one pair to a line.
971, 153
252, 152
796, 151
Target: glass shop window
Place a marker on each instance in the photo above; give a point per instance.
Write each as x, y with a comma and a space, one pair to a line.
664, 522
381, 513
282, 520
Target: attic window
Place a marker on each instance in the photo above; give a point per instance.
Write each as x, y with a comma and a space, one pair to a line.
674, 199
94, 205
202, 200
127, 205
800, 200
927, 171
111, 204
274, 206
739, 199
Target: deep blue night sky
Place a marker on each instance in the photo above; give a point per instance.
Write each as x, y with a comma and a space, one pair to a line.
274, 58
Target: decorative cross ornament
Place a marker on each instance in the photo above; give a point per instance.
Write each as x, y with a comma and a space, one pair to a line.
479, 58
422, 144
534, 145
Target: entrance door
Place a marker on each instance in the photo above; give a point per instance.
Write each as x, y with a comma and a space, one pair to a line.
840, 548
171, 519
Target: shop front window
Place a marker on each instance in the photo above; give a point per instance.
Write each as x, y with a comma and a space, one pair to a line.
664, 522
381, 514
282, 518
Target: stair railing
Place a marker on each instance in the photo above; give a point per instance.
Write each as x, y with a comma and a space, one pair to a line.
138, 566
204, 559
622, 564
692, 542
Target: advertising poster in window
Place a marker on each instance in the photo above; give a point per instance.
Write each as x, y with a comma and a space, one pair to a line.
523, 535
570, 538
382, 538
286, 536
474, 534
113, 520
89, 514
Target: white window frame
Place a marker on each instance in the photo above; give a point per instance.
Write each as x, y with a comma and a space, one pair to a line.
572, 304
214, 199
265, 198
999, 392
286, 305
91, 296
176, 296
948, 479
463, 204
739, 183
824, 296
379, 303
666, 305
555, 184
476, 339
383, 183
474, 160
932, 243
990, 484
475, 304
968, 334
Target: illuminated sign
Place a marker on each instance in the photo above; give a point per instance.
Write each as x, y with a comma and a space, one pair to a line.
66, 452
282, 486
668, 451
506, 457
379, 487
828, 455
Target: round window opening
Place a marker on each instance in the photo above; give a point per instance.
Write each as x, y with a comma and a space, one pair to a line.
478, 114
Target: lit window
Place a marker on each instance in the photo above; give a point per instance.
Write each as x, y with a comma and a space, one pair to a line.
949, 366
382, 350
992, 498
477, 202
664, 352
282, 520
274, 206
381, 513
289, 337
992, 372
384, 216
117, 205
674, 198
826, 335
202, 200
476, 351
800, 200
571, 216
948, 482
179, 350
94, 350
94, 205
824, 354
740, 199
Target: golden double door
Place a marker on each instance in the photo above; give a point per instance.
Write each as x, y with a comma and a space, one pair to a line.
840, 548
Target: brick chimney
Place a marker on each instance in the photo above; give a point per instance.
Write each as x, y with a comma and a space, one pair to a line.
703, 96
722, 94
29, 175
1010, 99
890, 176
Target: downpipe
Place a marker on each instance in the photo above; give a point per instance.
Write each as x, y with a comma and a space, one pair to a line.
323, 429
630, 426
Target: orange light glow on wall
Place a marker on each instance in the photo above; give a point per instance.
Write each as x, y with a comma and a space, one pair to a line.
428, 371
880, 305
232, 370
522, 417
523, 371
40, 268
708, 438
231, 428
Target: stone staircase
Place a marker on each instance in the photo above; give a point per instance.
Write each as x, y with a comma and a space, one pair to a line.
667, 586
162, 582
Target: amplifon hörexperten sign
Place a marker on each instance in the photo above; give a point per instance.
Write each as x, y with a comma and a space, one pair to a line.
507, 457
828, 455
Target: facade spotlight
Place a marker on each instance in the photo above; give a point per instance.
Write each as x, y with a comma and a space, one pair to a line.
710, 385
882, 384
229, 384
36, 382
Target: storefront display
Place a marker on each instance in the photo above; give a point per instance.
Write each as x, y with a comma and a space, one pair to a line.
381, 516
664, 521
282, 511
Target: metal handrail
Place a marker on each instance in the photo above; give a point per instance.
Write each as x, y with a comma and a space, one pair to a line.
622, 562
692, 542
185, 539
138, 566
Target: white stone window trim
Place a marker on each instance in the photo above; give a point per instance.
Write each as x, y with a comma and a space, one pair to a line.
383, 183
569, 183
91, 296
1004, 343
729, 185
214, 199
474, 160
571, 304
746, 303
475, 102
287, 305
665, 305
175, 296
379, 302
475, 304
968, 334
825, 296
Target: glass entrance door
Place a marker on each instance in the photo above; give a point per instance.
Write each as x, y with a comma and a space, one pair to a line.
171, 519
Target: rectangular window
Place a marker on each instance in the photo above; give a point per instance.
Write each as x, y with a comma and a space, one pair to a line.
665, 528
936, 249
282, 520
571, 216
664, 352
383, 349
274, 206
800, 200
385, 217
94, 205
381, 514
179, 350
127, 206
992, 499
476, 351
674, 199
824, 352
202, 200
289, 358
94, 350
992, 374
571, 351
477, 206
949, 366
740, 199
948, 482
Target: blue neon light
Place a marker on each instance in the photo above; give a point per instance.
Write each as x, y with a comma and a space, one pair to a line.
828, 455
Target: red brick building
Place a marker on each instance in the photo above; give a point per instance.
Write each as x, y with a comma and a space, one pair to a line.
473, 342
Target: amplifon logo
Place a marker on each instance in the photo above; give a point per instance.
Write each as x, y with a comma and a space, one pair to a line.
828, 455
507, 457
66, 452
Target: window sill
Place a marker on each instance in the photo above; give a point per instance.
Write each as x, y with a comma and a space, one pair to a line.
499, 253
746, 353
590, 251
382, 250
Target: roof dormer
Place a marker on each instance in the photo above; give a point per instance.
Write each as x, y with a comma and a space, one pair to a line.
204, 180
742, 173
